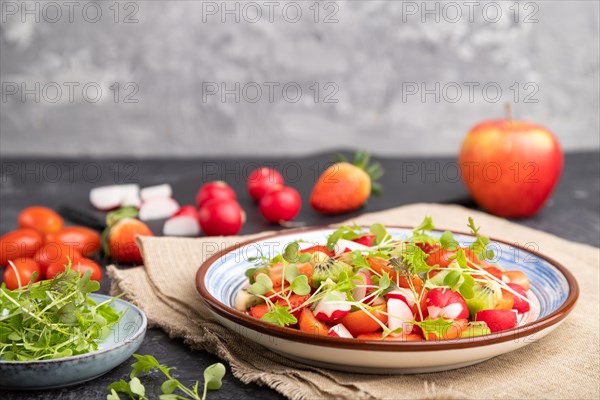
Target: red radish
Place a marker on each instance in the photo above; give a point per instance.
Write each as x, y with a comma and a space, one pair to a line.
214, 190
445, 303
520, 305
131, 197
182, 225
263, 179
187, 210
343, 244
156, 192
399, 315
280, 204
366, 240
362, 286
106, 198
498, 320
221, 217
404, 294
158, 208
330, 308
340, 330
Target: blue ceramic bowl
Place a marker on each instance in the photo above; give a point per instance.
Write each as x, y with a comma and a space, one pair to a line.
126, 337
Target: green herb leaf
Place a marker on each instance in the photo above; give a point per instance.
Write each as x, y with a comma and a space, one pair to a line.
448, 242
213, 376
136, 387
262, 285
291, 272
425, 226
300, 285
290, 253
113, 395
438, 327
144, 364
279, 315
169, 386
380, 233
125, 212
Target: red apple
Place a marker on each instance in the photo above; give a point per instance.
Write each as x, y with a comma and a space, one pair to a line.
510, 167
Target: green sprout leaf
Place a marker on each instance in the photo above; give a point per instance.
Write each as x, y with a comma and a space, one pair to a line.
300, 285
262, 285
438, 327
136, 387
291, 251
213, 375
380, 233
279, 315
291, 272
169, 386
448, 242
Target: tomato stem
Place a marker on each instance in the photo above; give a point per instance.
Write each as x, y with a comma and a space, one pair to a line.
508, 112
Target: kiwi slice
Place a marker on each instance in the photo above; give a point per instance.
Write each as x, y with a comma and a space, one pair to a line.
328, 269
477, 328
484, 299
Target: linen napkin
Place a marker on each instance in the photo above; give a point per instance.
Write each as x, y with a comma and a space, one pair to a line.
565, 364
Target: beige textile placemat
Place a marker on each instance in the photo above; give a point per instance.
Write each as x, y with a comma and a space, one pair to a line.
564, 365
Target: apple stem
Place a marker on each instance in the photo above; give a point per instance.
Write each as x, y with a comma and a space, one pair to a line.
508, 112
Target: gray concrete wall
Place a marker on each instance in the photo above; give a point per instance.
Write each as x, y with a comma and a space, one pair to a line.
383, 75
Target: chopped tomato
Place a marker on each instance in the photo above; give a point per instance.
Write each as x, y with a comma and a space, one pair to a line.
440, 257
259, 310
411, 337
495, 272
519, 278
453, 332
379, 265
275, 272
320, 248
359, 322
506, 302
308, 323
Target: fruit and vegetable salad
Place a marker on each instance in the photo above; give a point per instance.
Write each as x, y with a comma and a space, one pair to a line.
365, 284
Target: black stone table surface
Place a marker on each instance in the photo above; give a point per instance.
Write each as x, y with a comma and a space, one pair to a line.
573, 212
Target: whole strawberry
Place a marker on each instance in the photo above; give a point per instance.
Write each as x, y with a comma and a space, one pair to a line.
122, 245
345, 187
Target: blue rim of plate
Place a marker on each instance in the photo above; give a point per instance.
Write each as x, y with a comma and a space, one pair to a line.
140, 331
292, 334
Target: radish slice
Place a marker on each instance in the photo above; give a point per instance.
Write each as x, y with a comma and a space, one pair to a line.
361, 289
156, 192
187, 210
106, 198
399, 314
403, 294
131, 196
343, 244
182, 225
340, 330
330, 308
158, 208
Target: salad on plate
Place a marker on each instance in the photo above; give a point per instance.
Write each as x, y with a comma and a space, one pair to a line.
366, 284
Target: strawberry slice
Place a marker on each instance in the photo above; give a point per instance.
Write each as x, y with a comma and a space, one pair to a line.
366, 240
498, 320
520, 305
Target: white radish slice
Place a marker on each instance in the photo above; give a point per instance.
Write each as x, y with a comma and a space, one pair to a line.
158, 208
182, 225
340, 330
451, 311
187, 210
344, 244
131, 196
399, 314
360, 291
332, 306
156, 192
403, 294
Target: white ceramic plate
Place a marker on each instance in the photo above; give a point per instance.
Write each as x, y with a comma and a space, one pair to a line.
554, 292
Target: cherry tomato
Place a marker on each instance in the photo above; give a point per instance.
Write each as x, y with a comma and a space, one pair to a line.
78, 264
359, 322
84, 240
221, 217
321, 248
506, 302
214, 190
25, 268
263, 179
19, 243
42, 219
440, 257
309, 324
54, 252
280, 205
519, 278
